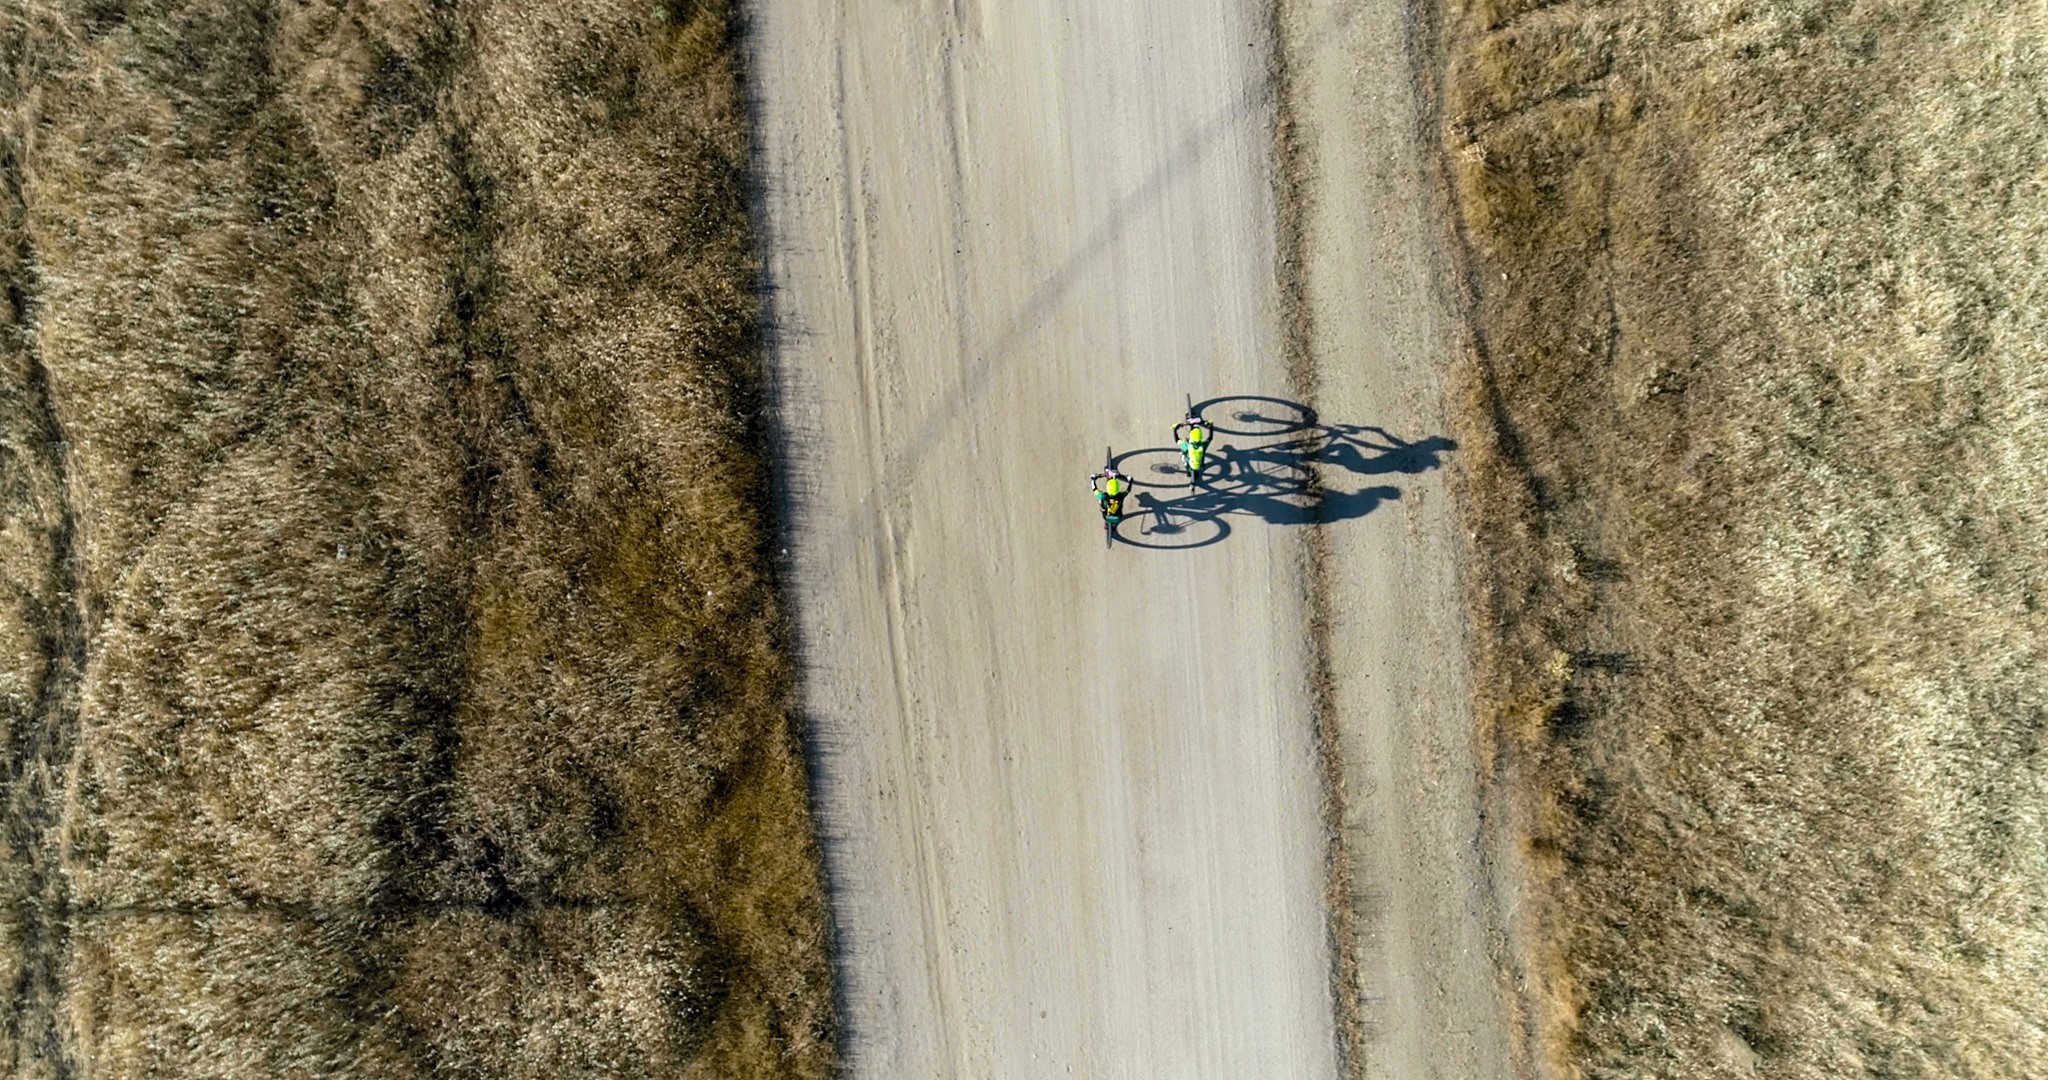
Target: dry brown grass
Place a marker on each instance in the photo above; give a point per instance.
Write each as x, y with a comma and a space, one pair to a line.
392, 685
1762, 495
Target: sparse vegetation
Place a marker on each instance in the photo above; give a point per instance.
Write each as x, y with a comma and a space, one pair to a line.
1759, 406
393, 683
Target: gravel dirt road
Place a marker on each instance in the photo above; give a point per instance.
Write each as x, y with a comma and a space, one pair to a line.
1433, 890
1071, 790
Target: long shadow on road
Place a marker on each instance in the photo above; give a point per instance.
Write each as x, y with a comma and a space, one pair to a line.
1273, 461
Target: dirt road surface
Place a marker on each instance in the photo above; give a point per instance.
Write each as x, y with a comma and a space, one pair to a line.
1433, 888
1070, 789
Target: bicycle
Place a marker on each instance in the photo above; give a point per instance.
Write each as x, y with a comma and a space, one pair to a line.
1111, 488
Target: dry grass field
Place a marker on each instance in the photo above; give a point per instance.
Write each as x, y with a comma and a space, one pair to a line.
1760, 403
392, 685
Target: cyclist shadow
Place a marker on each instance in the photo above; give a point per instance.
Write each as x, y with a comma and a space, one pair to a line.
1277, 485
1366, 450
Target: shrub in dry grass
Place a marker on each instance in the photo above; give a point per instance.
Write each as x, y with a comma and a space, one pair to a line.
381, 404
1759, 405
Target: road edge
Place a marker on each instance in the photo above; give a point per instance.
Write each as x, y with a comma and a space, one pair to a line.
1293, 192
786, 446
1515, 958
1297, 179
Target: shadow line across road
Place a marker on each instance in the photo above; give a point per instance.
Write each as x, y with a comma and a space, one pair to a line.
1263, 468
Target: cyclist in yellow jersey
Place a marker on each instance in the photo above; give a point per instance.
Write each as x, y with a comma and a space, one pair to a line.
1193, 436
1110, 487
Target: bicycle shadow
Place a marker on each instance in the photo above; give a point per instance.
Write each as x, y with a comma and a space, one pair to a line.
1275, 463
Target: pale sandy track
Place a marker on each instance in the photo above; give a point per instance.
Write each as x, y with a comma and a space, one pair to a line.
1434, 888
1070, 794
